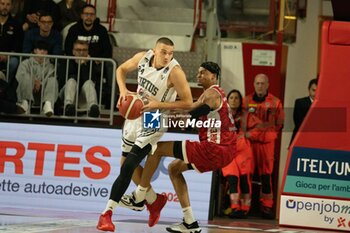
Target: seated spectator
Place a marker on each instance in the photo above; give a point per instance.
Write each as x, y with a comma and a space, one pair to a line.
6, 104
37, 81
32, 9
46, 33
89, 29
70, 11
11, 38
79, 74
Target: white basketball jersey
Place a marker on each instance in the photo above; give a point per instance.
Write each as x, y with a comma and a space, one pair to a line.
154, 82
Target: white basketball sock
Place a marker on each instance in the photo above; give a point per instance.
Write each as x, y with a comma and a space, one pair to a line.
140, 193
111, 205
151, 196
188, 215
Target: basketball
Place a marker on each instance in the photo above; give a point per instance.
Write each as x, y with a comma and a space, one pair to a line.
131, 107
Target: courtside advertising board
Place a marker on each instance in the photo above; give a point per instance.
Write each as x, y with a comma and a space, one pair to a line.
73, 168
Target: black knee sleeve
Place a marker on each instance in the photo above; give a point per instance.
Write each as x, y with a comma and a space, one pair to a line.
232, 184
243, 184
125, 154
133, 159
266, 183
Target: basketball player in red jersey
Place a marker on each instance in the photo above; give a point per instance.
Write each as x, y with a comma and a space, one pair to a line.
215, 148
160, 79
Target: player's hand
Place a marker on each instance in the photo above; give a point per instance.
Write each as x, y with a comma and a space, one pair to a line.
33, 18
123, 95
150, 104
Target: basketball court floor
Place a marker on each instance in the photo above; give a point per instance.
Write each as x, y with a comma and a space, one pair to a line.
28, 221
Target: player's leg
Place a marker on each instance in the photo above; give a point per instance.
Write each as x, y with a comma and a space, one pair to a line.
154, 202
153, 160
176, 168
129, 134
121, 184
136, 176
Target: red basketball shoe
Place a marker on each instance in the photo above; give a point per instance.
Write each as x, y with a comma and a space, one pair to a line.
155, 208
105, 222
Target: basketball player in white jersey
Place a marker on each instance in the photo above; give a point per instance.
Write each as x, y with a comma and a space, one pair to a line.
215, 149
160, 79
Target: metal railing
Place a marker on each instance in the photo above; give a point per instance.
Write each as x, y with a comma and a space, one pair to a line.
61, 62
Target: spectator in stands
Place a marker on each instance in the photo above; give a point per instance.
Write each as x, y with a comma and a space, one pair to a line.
37, 81
46, 33
6, 104
32, 9
79, 73
70, 11
302, 106
90, 30
11, 38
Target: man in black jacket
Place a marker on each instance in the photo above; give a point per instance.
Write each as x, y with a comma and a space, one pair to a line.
31, 12
89, 29
302, 105
11, 37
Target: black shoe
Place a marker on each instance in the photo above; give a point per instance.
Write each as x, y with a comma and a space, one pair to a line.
128, 201
267, 213
184, 227
240, 214
94, 111
70, 110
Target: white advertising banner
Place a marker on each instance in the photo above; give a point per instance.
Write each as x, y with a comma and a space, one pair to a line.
315, 213
232, 68
73, 169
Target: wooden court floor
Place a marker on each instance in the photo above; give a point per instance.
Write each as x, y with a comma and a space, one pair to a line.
20, 221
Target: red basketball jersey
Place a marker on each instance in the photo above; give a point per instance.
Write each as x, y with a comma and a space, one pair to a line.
226, 133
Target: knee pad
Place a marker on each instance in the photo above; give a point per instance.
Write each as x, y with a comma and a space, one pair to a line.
133, 159
232, 184
266, 183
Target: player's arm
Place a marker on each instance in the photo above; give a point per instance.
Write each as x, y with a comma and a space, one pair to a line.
125, 68
209, 100
178, 80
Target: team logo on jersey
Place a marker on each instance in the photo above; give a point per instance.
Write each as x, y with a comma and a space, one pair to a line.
165, 71
267, 104
141, 69
152, 120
